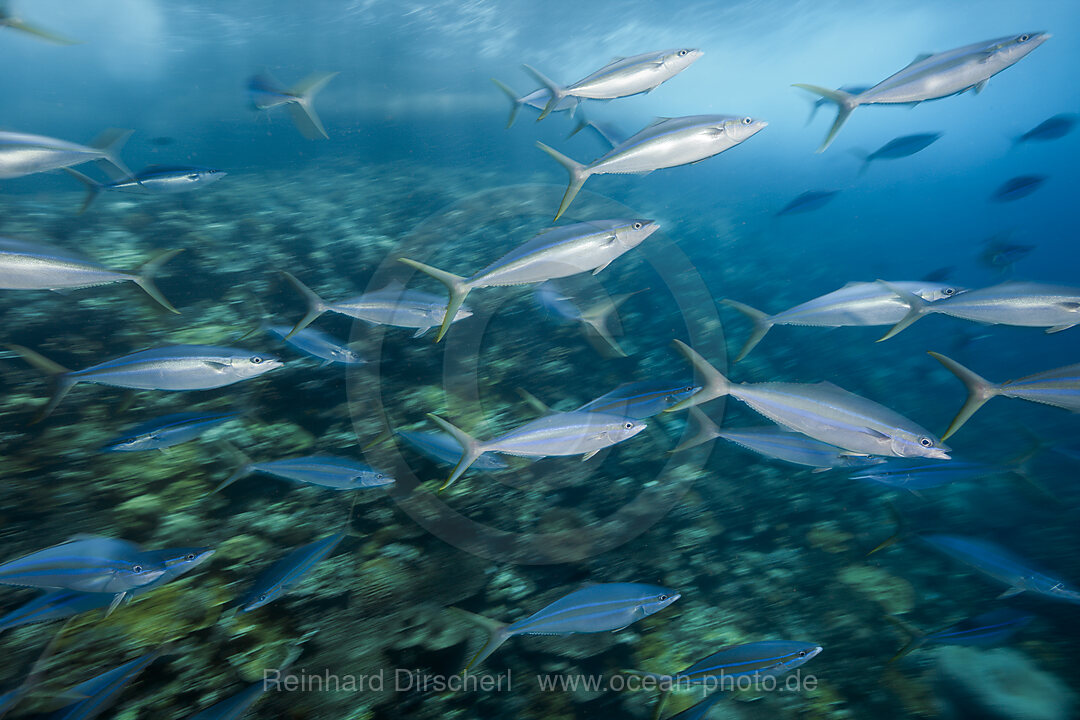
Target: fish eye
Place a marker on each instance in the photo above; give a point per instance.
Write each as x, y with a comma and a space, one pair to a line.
638, 226
662, 598
682, 53
747, 120
189, 557
256, 360
948, 291
802, 653
926, 442
136, 568
687, 389
1024, 38
628, 425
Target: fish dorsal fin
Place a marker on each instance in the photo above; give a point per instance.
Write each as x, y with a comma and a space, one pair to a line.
656, 121
920, 57
851, 284
616, 59
394, 285
830, 385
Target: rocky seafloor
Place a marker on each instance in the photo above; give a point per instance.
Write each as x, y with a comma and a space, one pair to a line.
759, 550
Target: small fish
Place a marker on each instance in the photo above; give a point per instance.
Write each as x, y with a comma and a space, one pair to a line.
596, 321
857, 304
604, 607
1017, 188
1002, 565
622, 77
640, 400
319, 345
537, 99
808, 202
326, 471
9, 20
39, 266
392, 305
901, 147
266, 93
1003, 256
939, 275
985, 630
444, 449
235, 706
552, 253
667, 142
173, 367
13, 697
100, 692
1059, 387
1053, 128
699, 710
152, 180
822, 411
768, 658
164, 432
916, 477
288, 572
558, 434
22, 154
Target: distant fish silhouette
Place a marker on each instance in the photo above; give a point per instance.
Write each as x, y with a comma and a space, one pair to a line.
1053, 128
901, 147
1017, 188
1001, 255
940, 275
808, 202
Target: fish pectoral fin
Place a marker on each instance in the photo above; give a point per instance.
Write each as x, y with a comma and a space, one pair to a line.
589, 455
1058, 328
979, 87
216, 366
876, 434
600, 269
117, 600
1011, 592
420, 332
920, 57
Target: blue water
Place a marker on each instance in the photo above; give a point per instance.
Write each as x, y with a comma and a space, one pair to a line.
419, 163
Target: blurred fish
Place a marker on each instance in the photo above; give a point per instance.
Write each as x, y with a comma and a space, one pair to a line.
1018, 187
1053, 128
1027, 304
319, 345
822, 411
989, 628
39, 266
934, 76
939, 275
558, 434
173, 367
22, 154
768, 658
166, 431
1000, 564
667, 142
326, 471
640, 400
152, 180
13, 697
162, 140
622, 77
857, 304
536, 99
822, 102
916, 477
1059, 387
235, 706
444, 449
288, 572
100, 692
604, 607
1003, 257
595, 321
701, 709
901, 147
808, 202
8, 19
392, 305
266, 93
553, 253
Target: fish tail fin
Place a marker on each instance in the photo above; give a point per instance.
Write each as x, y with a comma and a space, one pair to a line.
144, 277
497, 634
762, 324
456, 286
93, 187
316, 306
845, 103
60, 376
557, 93
917, 307
598, 319
900, 530
578, 175
515, 106
242, 461
979, 391
382, 437
706, 430
918, 637
534, 402
302, 111
240, 472
471, 449
864, 157
110, 143
715, 385
581, 124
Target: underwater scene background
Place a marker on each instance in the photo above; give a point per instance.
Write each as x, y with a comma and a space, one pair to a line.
418, 162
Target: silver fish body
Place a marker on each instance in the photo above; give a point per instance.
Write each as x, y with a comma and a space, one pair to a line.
93, 564
288, 572
24, 154
328, 471
319, 345
796, 448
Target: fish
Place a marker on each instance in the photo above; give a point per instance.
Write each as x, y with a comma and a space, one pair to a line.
558, 434
552, 253
100, 692
940, 274
327, 471
984, 630
640, 400
24, 154
822, 411
604, 607
8, 19
1018, 188
767, 658
1053, 128
537, 99
173, 367
933, 76
288, 572
392, 305
1025, 304
595, 320
235, 706
10, 699
267, 93
166, 431
152, 180
622, 77
1059, 387
39, 266
916, 477
667, 142
319, 345
699, 710
857, 304
444, 449
1002, 565
808, 202
900, 147
822, 102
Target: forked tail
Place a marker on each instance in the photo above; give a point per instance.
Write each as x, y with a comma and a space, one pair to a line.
845, 103
471, 449
557, 92
61, 378
762, 324
714, 384
578, 175
316, 306
497, 634
456, 286
515, 103
302, 111
979, 391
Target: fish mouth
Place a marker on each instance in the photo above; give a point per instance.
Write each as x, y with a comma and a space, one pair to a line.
939, 453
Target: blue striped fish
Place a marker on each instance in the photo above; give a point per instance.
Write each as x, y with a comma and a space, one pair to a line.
640, 400
326, 471
100, 692
984, 630
768, 658
916, 476
444, 449
288, 572
234, 706
164, 432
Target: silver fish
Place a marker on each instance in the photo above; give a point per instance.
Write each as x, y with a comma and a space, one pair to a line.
822, 411
326, 471
22, 154
164, 432
596, 320
443, 448
622, 77
100, 692
857, 304
173, 367
553, 253
266, 93
536, 99
288, 572
318, 345
667, 142
153, 180
934, 76
39, 266
558, 434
